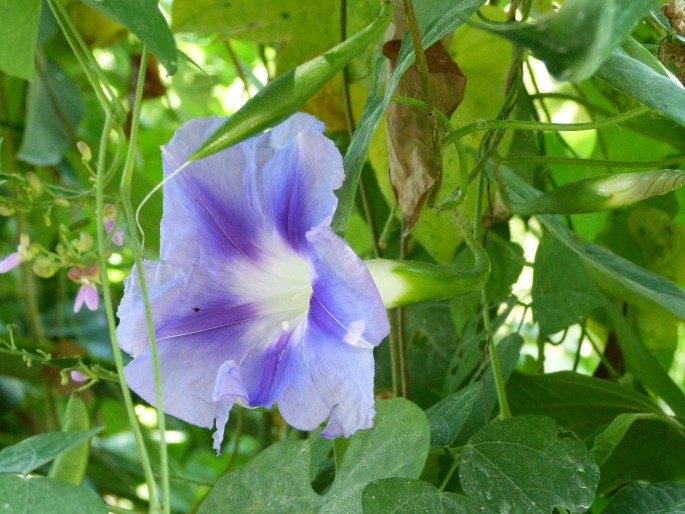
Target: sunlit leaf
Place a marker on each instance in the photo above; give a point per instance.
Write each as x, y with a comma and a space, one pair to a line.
18, 36
144, 19
285, 95
434, 23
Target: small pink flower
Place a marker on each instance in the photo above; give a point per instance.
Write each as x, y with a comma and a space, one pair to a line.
77, 376
87, 293
11, 261
110, 216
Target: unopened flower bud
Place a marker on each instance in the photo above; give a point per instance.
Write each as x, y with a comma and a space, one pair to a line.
35, 183
601, 192
84, 150
44, 266
6, 210
85, 242
61, 202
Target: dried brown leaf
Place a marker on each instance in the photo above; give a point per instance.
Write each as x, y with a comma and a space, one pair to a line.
414, 168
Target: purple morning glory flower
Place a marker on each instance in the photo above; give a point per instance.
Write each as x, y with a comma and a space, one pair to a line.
255, 299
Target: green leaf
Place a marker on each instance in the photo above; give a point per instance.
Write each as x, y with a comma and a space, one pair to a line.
508, 350
577, 402
267, 21
397, 495
649, 448
35, 451
663, 94
19, 23
396, 447
575, 41
520, 463
54, 111
286, 94
434, 21
606, 441
447, 417
144, 19
32, 495
665, 498
563, 292
277, 480
642, 364
71, 465
610, 272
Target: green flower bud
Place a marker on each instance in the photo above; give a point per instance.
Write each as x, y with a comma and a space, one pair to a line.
602, 192
84, 242
405, 282
44, 266
35, 183
84, 150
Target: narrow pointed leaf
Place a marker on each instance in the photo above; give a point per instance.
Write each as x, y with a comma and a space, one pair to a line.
286, 94
145, 21
35, 451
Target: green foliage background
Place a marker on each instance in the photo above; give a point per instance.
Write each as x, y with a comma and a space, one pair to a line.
557, 386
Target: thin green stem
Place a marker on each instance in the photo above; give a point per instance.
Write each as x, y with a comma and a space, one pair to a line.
111, 323
125, 195
395, 356
573, 161
237, 434
544, 126
505, 412
351, 127
450, 472
26, 276
340, 445
402, 333
114, 115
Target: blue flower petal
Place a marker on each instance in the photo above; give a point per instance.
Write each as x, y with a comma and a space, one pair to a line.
282, 180
256, 300
321, 377
345, 300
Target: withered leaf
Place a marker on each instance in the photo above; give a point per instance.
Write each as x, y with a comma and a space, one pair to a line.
414, 168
